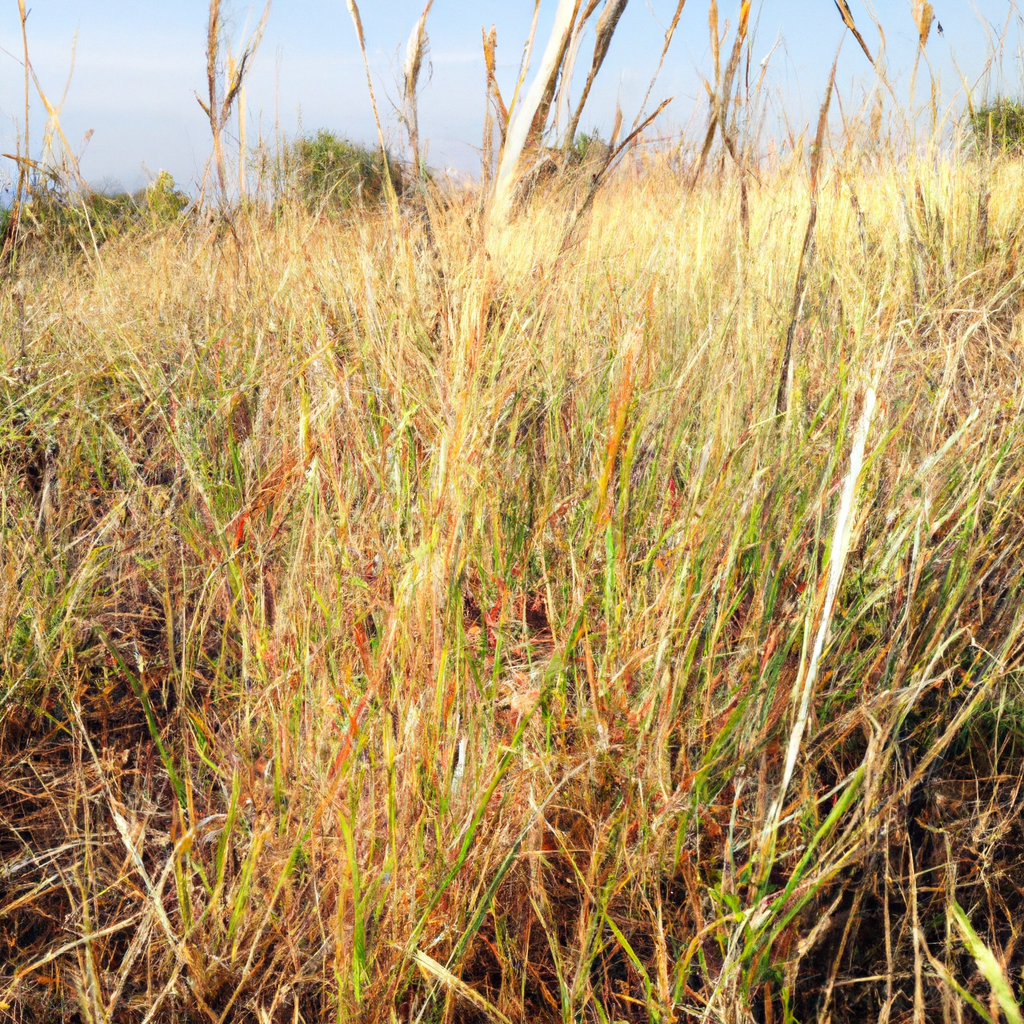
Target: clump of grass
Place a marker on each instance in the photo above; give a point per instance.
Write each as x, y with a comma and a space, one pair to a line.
396, 630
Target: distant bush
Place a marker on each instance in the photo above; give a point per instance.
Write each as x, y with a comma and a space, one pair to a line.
63, 216
60, 217
329, 172
163, 199
999, 127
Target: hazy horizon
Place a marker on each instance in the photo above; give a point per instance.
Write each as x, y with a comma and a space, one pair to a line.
137, 70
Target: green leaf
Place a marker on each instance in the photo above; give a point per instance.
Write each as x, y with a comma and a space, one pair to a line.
988, 965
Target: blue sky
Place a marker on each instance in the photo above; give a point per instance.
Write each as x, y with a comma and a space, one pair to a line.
139, 63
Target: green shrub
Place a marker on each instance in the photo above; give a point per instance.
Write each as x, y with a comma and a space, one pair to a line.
65, 217
57, 216
163, 199
999, 126
329, 172
109, 212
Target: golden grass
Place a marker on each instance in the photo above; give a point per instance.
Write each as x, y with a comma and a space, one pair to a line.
399, 630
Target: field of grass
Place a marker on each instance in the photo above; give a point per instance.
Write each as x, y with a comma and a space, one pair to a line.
395, 627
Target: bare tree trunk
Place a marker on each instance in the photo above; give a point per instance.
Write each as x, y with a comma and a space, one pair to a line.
606, 25
521, 128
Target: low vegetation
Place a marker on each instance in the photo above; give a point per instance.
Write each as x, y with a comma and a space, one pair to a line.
328, 173
58, 218
403, 627
999, 126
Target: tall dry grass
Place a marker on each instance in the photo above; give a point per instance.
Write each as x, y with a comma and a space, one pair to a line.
398, 630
